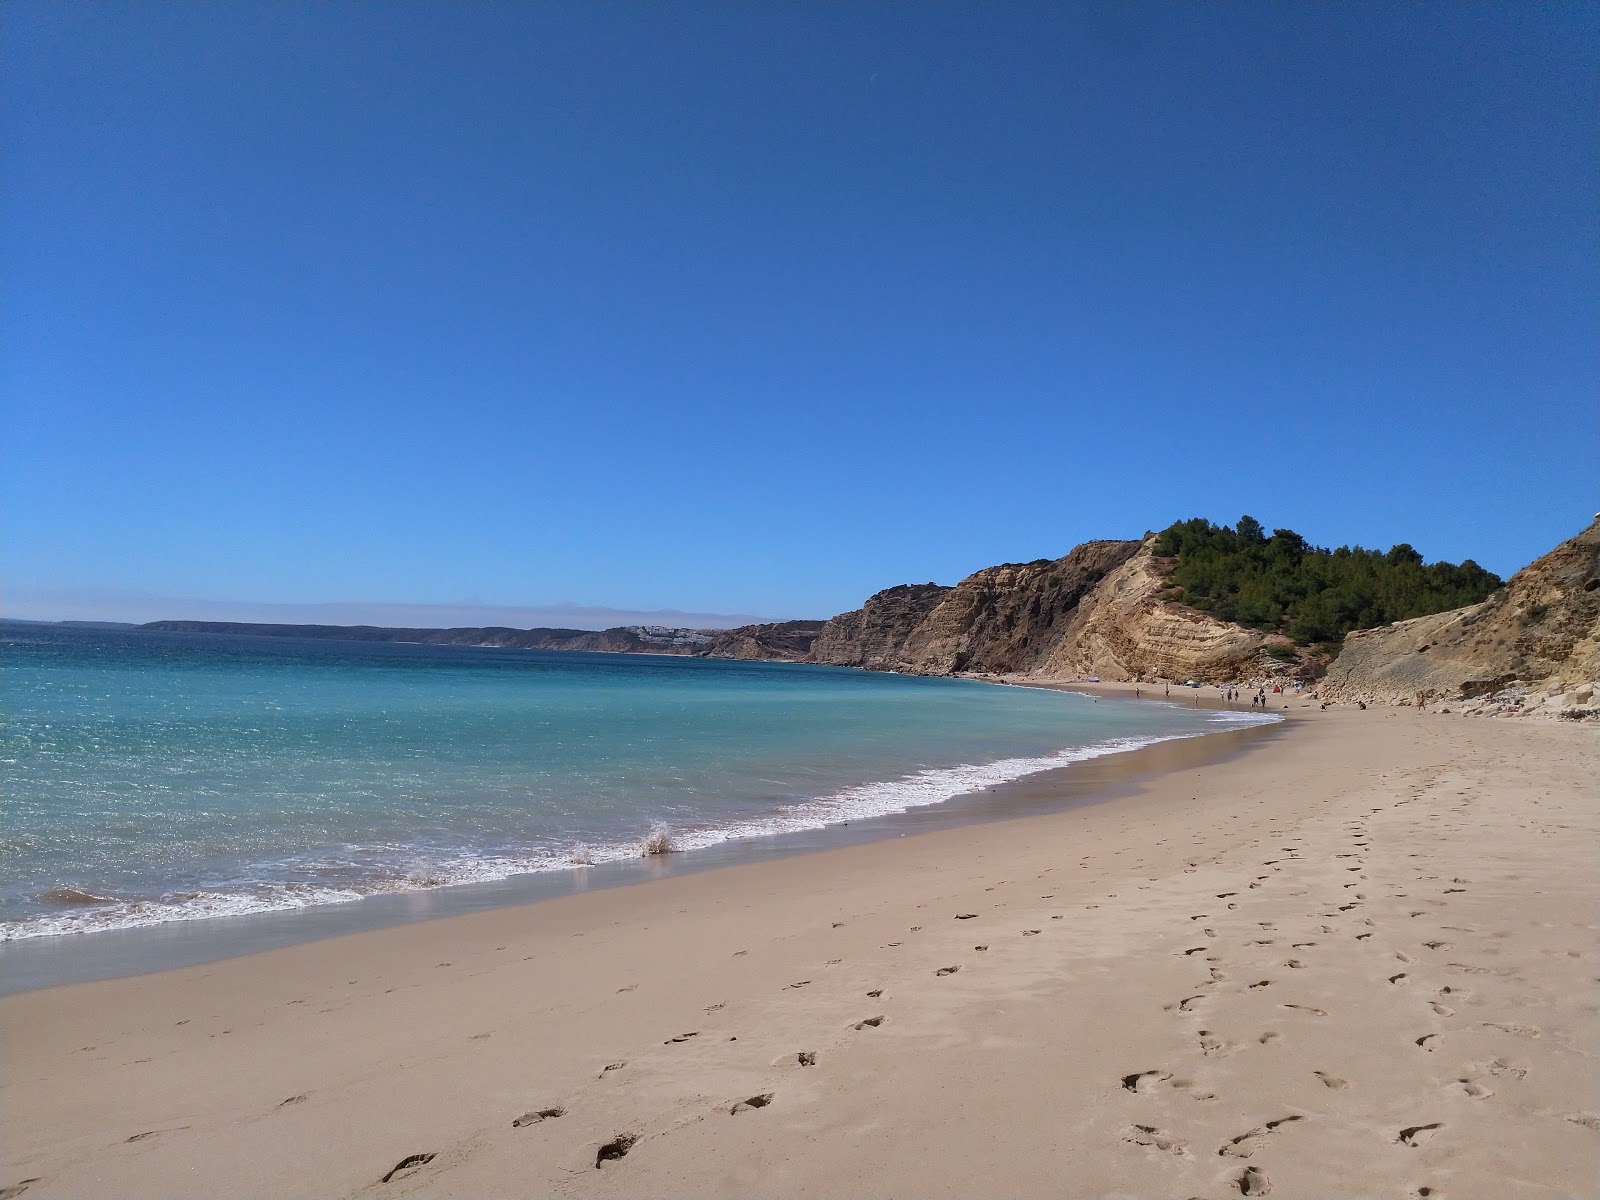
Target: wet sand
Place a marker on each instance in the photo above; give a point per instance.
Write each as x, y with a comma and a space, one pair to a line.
1359, 959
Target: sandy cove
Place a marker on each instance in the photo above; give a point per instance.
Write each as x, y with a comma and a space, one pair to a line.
1357, 960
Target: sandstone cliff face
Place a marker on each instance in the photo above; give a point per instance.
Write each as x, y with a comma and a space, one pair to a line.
875, 634
1008, 618
1095, 612
780, 641
1541, 631
1124, 630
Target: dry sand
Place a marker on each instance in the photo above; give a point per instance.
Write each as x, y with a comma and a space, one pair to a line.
1359, 960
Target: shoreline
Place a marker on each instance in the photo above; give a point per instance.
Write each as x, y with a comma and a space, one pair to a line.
27, 964
1357, 960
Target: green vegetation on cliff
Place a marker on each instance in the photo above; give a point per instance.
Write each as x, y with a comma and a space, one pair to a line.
1283, 584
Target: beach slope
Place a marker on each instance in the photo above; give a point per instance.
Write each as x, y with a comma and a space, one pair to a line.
1358, 960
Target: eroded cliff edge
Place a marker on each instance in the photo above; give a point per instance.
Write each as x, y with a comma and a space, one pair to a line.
1097, 611
1107, 609
1533, 644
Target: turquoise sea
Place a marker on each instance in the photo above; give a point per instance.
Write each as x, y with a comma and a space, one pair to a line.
151, 778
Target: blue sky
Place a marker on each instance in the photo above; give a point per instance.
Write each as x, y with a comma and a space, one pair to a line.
757, 308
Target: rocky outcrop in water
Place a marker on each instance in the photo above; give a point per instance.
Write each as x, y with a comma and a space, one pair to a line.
1535, 644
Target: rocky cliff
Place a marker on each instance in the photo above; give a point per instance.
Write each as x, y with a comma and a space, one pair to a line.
1124, 629
779, 641
875, 635
1097, 611
1538, 639
1001, 619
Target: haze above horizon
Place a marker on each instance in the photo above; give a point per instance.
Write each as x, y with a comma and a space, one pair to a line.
732, 311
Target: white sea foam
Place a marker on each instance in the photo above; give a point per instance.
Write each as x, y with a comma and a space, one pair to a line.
861, 802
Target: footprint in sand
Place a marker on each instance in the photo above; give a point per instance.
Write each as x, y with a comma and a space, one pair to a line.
1149, 1135
1500, 1066
616, 1148
542, 1114
947, 970
1253, 1182
1142, 1079
1527, 1031
1248, 1142
682, 1037
1473, 1089
300, 1099
1417, 1134
406, 1166
1315, 1012
761, 1101
868, 1023
1332, 1081
150, 1133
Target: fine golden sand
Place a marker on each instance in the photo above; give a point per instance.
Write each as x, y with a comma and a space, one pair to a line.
1357, 959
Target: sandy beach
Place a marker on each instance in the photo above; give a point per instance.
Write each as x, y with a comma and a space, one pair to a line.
1358, 959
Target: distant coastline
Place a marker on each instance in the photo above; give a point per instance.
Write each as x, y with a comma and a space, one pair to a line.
780, 641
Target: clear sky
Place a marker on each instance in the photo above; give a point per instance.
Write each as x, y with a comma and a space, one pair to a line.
758, 308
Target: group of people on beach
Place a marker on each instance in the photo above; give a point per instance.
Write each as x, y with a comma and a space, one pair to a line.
1229, 693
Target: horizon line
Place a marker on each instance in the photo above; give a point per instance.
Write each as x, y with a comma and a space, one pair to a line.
110, 606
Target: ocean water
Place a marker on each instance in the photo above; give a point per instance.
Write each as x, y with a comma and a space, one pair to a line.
151, 778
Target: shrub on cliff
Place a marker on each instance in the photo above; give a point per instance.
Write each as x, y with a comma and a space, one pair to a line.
1284, 584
